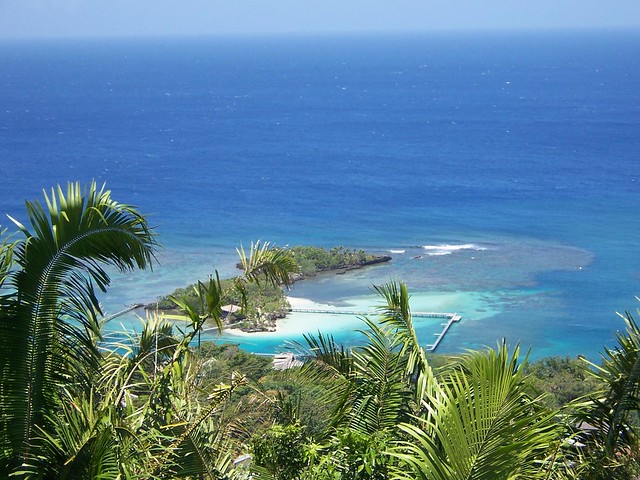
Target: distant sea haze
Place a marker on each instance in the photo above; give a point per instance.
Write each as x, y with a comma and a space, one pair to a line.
501, 172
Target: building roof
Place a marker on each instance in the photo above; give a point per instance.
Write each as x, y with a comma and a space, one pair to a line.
285, 361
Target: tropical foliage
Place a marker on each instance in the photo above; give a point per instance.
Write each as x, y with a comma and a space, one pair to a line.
479, 416
74, 404
260, 303
264, 303
393, 417
610, 414
481, 423
312, 259
561, 380
49, 315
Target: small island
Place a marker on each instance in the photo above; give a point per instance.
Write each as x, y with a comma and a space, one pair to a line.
266, 304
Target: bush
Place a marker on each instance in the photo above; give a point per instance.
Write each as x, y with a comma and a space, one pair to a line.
280, 451
563, 379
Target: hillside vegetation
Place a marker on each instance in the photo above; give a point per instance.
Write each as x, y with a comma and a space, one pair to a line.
155, 404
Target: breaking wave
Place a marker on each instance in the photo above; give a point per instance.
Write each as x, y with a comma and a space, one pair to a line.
446, 249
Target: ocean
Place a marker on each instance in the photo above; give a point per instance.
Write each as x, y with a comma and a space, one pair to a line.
501, 169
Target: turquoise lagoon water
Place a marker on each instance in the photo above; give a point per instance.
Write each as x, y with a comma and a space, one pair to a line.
512, 157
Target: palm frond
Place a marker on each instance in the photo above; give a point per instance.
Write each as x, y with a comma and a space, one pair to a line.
212, 296
267, 263
381, 397
329, 364
395, 313
85, 440
323, 350
199, 442
482, 424
619, 374
54, 312
6, 256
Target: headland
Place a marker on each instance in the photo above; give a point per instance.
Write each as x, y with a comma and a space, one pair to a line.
265, 305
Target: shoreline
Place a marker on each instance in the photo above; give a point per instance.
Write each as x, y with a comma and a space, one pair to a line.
270, 321
342, 269
280, 324
447, 283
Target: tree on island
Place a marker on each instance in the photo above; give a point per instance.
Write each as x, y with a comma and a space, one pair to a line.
264, 304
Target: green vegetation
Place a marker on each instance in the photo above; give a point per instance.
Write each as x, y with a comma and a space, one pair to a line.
74, 407
279, 452
562, 380
262, 304
49, 313
219, 360
151, 406
312, 260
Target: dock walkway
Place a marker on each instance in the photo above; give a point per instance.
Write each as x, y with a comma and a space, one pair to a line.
354, 313
439, 336
451, 319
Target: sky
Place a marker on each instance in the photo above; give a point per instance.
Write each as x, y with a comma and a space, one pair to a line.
107, 18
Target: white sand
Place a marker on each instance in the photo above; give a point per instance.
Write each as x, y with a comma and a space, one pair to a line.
297, 302
296, 323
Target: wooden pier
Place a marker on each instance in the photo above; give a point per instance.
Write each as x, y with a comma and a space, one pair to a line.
451, 319
439, 336
355, 313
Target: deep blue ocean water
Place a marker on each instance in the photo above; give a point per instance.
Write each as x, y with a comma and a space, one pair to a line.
524, 148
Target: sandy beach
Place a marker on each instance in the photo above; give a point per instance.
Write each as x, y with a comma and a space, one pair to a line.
296, 324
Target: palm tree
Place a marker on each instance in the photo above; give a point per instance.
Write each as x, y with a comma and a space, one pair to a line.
49, 316
476, 419
479, 422
68, 407
610, 415
371, 389
144, 416
367, 391
155, 389
376, 385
